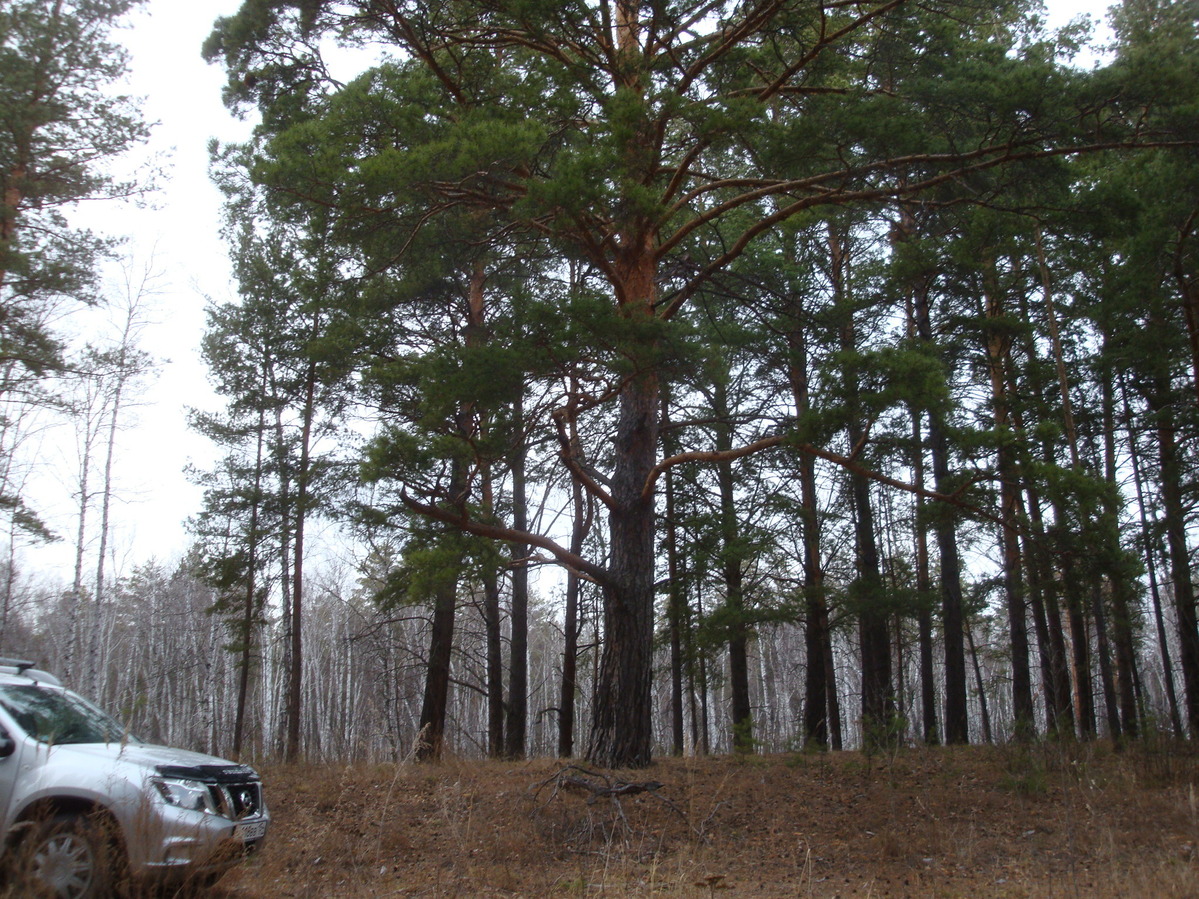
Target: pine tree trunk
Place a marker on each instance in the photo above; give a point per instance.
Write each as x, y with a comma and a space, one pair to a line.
820, 715
580, 527
1173, 510
1103, 649
874, 638
984, 707
816, 638
1188, 290
919, 322
878, 699
435, 704
676, 612
1074, 601
295, 696
835, 729
1152, 548
1080, 641
622, 729
733, 577
930, 732
1015, 593
1061, 698
518, 661
495, 664
286, 528
249, 599
999, 365
957, 728
1045, 651
1122, 590
570, 649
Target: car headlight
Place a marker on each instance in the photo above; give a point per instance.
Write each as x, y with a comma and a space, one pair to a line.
189, 794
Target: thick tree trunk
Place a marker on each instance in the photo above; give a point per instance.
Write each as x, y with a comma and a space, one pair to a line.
622, 730
622, 727
1038, 589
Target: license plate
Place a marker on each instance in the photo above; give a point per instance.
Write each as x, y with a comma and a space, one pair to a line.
254, 830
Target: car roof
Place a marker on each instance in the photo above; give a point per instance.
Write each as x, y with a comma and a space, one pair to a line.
20, 671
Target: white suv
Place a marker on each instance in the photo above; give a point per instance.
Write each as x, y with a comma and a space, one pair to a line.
87, 810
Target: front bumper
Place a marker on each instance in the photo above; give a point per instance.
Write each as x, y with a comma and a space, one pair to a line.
180, 844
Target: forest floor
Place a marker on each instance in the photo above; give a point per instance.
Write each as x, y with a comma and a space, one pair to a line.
1047, 820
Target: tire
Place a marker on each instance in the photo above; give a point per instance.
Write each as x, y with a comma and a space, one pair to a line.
69, 856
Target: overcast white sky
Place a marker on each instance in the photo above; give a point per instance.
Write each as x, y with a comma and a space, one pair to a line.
182, 94
176, 233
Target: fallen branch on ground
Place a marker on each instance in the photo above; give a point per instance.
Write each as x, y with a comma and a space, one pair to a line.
601, 786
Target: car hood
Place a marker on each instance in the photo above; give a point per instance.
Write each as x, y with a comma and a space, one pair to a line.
146, 755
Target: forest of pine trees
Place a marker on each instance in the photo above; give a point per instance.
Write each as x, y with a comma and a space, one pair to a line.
625, 378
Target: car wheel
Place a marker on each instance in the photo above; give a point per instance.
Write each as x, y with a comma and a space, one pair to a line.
69, 857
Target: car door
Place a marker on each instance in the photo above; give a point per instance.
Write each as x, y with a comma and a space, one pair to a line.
11, 743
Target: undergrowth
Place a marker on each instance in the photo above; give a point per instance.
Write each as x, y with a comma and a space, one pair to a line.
1036, 819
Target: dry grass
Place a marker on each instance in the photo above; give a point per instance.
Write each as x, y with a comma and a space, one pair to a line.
1047, 821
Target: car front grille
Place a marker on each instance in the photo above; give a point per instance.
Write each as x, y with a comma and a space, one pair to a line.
235, 789
242, 800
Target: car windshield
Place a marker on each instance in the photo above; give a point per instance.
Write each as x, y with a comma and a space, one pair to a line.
56, 716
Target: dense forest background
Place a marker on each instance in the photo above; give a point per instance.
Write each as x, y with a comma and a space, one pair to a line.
627, 378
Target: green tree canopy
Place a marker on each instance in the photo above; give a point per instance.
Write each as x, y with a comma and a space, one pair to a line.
655, 144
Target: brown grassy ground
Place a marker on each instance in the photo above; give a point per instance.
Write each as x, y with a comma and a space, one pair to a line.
1077, 821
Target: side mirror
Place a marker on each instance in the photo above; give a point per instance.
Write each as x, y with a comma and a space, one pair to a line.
7, 745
